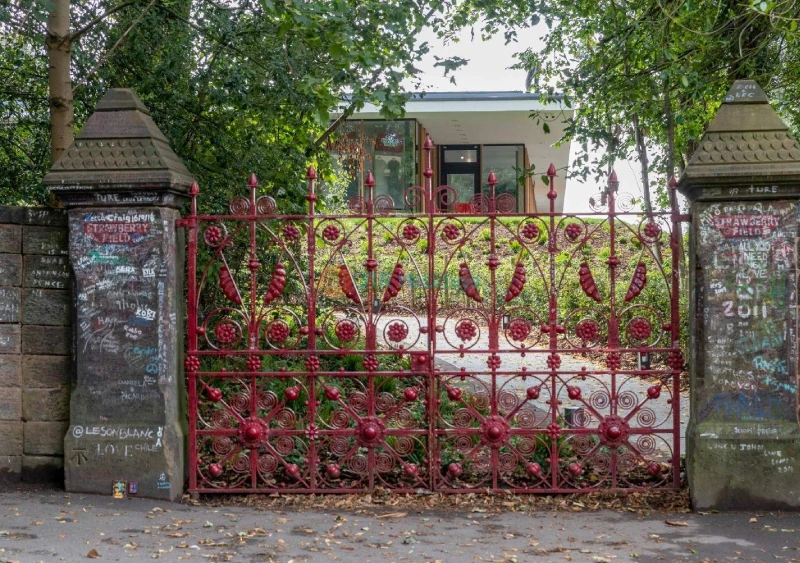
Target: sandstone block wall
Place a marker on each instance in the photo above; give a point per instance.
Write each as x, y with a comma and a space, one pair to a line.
35, 343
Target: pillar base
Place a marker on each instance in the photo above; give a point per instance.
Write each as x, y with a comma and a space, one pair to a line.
744, 466
150, 456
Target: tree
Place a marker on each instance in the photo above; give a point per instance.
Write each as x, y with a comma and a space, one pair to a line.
237, 86
657, 71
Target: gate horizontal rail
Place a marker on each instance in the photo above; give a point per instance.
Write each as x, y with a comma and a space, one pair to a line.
326, 353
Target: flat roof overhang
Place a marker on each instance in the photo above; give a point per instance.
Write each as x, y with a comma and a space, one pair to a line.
495, 118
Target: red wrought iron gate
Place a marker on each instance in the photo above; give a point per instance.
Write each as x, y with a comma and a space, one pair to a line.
433, 350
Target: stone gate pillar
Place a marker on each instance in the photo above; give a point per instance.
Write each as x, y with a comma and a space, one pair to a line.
743, 185
122, 185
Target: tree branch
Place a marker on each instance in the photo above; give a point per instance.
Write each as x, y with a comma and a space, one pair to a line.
108, 53
75, 36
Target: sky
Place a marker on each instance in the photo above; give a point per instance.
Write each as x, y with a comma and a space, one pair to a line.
488, 70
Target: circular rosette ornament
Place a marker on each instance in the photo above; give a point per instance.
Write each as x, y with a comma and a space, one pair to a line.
291, 233
585, 328
277, 333
467, 330
395, 332
346, 331
410, 232
573, 231
452, 232
639, 329
214, 235
226, 334
530, 231
331, 231
650, 231
519, 329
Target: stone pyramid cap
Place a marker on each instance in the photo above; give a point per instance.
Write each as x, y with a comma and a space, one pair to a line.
119, 149
745, 143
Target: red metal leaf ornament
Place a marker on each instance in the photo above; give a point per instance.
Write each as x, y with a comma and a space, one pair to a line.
638, 282
276, 284
395, 282
517, 282
228, 286
587, 283
347, 285
467, 283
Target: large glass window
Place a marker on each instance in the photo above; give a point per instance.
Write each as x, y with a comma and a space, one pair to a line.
506, 161
387, 148
391, 157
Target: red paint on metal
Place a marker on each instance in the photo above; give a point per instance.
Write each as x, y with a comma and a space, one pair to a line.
324, 353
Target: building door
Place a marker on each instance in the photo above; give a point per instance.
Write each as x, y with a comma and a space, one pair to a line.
460, 168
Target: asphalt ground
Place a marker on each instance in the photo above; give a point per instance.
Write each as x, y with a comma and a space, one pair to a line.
39, 524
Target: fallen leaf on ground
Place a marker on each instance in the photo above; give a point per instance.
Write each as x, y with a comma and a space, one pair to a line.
675, 523
393, 515
93, 554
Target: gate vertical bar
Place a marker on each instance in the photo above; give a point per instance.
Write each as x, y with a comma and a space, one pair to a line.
613, 321
675, 331
311, 312
372, 265
252, 323
191, 320
553, 322
494, 341
430, 300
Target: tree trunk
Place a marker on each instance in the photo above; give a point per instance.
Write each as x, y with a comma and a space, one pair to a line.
644, 161
58, 54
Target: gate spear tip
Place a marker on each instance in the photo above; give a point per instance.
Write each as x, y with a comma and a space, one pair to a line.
551, 171
311, 174
612, 178
253, 181
370, 181
673, 183
492, 179
194, 189
428, 143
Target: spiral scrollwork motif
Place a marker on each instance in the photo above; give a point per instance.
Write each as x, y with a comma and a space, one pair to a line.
463, 444
403, 445
265, 205
241, 464
338, 445
358, 464
222, 445
286, 418
646, 417
384, 463
283, 445
240, 205
339, 419
267, 464
463, 418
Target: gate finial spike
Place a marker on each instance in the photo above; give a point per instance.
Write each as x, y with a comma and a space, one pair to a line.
612, 178
492, 179
370, 181
194, 189
428, 145
551, 170
311, 174
673, 183
253, 181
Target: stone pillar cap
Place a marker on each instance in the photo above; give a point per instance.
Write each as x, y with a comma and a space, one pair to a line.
119, 157
746, 143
